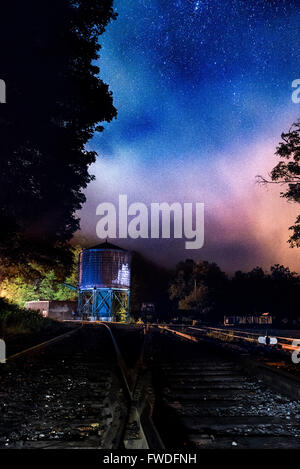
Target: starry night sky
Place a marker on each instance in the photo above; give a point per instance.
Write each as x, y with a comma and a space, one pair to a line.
203, 92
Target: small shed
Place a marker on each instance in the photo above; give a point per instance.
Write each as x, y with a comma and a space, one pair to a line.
54, 309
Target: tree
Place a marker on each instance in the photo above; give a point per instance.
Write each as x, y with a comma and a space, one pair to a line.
287, 172
197, 298
51, 289
257, 292
55, 101
250, 293
284, 292
44, 285
199, 286
17, 291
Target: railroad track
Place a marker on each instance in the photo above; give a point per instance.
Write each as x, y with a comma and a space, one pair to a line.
76, 392
206, 399
285, 343
108, 387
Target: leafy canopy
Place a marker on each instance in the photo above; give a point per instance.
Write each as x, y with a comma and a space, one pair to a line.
18, 288
287, 172
55, 102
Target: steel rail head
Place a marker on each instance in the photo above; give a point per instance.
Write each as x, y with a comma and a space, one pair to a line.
43, 344
121, 362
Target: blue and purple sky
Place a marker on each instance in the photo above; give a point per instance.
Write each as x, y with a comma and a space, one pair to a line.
203, 92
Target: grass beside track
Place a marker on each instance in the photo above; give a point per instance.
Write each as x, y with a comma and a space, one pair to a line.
22, 328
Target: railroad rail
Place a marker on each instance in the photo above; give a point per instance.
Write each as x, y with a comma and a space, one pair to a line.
139, 429
43, 344
208, 398
286, 343
84, 389
78, 393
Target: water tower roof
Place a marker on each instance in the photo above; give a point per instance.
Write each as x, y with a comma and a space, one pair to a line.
107, 245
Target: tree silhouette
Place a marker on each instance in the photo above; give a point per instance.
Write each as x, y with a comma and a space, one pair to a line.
55, 101
201, 289
199, 286
287, 172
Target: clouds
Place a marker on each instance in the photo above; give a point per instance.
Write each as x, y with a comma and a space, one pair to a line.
201, 104
245, 224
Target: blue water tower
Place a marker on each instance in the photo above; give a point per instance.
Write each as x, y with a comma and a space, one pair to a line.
104, 282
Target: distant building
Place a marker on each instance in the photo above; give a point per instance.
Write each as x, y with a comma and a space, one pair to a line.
59, 310
264, 318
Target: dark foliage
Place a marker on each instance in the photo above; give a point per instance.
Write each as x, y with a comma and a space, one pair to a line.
207, 293
199, 287
15, 321
287, 172
55, 101
257, 292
